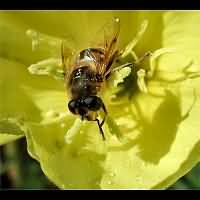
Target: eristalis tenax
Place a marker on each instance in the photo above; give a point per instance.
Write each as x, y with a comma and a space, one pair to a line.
87, 71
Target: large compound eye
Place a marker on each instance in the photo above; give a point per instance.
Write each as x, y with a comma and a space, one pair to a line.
72, 106
93, 103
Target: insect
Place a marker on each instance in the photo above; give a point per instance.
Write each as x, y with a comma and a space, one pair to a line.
86, 73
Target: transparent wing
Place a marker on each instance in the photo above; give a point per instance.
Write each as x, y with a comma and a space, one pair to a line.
67, 56
106, 39
106, 33
111, 33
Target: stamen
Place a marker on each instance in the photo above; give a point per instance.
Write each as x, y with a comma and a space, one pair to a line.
49, 66
141, 80
35, 38
136, 39
46, 43
155, 56
73, 131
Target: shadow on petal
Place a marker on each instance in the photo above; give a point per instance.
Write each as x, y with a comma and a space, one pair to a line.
157, 136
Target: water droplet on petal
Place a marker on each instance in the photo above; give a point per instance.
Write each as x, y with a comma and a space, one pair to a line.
144, 164
52, 114
97, 183
139, 179
109, 182
62, 125
112, 174
126, 109
52, 43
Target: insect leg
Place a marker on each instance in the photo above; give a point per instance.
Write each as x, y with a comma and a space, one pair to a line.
82, 117
63, 59
111, 60
122, 66
98, 122
142, 58
100, 128
109, 64
101, 124
105, 112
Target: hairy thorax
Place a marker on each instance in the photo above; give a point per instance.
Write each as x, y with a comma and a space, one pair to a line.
84, 82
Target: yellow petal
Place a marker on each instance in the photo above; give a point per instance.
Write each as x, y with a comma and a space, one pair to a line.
161, 130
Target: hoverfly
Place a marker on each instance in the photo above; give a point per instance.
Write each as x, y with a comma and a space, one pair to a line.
86, 73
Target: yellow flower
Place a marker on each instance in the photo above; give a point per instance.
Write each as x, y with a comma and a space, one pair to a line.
152, 127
